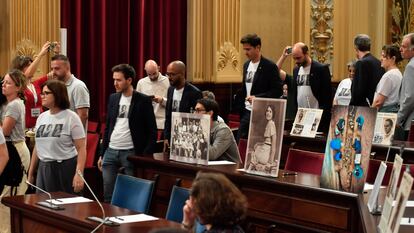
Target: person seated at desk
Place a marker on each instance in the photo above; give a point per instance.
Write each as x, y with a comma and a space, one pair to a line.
222, 143
216, 202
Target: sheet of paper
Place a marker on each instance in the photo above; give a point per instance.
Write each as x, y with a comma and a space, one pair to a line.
373, 197
69, 200
220, 162
132, 218
407, 221
409, 204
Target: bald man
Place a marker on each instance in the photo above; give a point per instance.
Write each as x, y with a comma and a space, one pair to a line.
182, 96
155, 85
311, 84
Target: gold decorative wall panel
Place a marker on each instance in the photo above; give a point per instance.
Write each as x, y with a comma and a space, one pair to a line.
212, 41
25, 26
322, 30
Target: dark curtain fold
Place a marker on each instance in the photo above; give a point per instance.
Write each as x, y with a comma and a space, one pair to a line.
104, 33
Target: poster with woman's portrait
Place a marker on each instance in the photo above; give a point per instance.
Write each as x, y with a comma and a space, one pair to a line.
348, 147
265, 136
384, 128
190, 137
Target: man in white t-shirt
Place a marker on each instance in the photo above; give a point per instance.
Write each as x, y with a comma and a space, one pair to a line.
312, 84
130, 128
155, 85
182, 96
77, 91
260, 79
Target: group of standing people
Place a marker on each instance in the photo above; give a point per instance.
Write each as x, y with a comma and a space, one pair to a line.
379, 83
54, 106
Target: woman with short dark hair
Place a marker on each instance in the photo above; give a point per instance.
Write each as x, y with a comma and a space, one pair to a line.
386, 98
216, 202
60, 149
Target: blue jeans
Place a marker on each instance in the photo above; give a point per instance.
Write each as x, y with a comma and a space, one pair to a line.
112, 161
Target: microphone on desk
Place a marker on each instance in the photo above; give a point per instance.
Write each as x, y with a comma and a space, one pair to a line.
48, 203
104, 219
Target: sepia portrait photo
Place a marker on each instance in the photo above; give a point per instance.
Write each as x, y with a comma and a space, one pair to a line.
265, 136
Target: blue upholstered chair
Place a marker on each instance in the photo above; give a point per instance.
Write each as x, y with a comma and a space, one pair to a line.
177, 201
175, 207
132, 193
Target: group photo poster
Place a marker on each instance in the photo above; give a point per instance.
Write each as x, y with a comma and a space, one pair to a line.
190, 137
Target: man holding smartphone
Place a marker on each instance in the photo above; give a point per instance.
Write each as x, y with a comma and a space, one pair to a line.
156, 86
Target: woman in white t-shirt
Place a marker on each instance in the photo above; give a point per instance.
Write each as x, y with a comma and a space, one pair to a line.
386, 96
60, 149
343, 92
12, 116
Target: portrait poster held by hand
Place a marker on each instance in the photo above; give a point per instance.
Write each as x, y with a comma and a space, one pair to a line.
306, 122
384, 128
190, 137
348, 147
265, 136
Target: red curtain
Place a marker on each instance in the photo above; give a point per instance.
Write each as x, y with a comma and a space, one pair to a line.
104, 33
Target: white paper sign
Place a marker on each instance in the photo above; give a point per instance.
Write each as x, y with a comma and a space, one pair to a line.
373, 198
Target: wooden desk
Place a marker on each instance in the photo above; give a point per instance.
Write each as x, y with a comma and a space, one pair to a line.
294, 200
27, 216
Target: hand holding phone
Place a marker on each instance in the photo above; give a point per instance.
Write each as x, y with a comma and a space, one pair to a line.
288, 50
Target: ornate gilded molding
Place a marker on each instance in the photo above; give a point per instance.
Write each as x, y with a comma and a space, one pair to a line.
227, 55
322, 30
26, 47
401, 14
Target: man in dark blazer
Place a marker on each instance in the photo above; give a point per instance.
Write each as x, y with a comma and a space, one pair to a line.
260, 79
368, 72
311, 84
130, 128
182, 96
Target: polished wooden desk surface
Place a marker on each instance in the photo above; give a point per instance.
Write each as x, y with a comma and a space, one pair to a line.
291, 199
27, 216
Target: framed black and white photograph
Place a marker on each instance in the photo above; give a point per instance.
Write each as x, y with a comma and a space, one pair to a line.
384, 128
265, 136
190, 137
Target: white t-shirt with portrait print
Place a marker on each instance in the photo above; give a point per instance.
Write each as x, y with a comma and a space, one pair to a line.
305, 97
121, 135
2, 139
251, 71
177, 96
54, 135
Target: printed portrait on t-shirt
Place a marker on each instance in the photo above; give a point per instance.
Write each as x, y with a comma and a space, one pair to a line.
303, 80
176, 106
49, 130
123, 113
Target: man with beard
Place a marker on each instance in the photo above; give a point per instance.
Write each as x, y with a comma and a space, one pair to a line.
132, 132
182, 96
311, 86
77, 91
156, 86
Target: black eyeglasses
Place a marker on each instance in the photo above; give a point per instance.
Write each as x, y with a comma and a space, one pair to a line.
42, 94
171, 74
